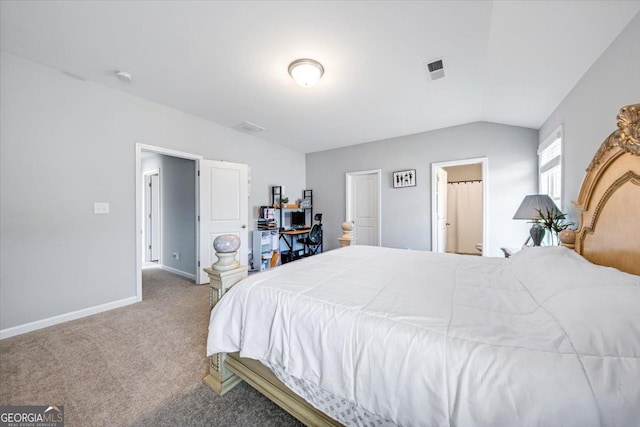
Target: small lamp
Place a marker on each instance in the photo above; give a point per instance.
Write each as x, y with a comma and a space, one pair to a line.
530, 209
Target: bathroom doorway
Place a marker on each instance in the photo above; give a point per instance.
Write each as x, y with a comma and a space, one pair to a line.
459, 206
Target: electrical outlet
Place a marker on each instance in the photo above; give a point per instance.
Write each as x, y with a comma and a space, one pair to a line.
176, 255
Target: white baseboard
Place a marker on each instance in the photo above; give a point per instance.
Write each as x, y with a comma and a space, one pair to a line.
178, 272
39, 324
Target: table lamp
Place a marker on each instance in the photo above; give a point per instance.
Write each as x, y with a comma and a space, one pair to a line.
530, 209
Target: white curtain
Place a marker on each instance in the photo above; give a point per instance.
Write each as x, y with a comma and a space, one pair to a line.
464, 215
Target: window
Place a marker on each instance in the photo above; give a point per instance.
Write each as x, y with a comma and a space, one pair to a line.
550, 167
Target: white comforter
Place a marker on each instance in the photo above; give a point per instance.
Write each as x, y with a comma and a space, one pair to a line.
544, 338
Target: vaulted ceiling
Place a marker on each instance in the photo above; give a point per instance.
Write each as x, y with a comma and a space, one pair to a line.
508, 62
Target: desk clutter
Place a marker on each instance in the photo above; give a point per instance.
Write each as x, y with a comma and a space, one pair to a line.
286, 231
267, 219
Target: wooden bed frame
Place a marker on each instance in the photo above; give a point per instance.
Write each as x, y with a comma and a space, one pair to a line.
609, 200
609, 234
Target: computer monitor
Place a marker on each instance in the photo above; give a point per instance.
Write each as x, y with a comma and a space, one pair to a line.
298, 219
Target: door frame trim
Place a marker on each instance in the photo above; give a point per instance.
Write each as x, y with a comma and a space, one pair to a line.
348, 180
484, 161
139, 190
144, 214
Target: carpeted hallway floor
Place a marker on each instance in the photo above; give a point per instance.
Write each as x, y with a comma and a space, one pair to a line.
140, 365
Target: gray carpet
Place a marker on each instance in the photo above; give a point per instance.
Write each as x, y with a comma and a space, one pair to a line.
140, 365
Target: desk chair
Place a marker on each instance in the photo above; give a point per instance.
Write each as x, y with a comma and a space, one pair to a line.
313, 241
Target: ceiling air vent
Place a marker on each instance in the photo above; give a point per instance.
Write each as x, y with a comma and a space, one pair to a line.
250, 127
435, 69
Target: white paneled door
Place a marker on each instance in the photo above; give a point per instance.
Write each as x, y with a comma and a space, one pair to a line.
223, 209
363, 206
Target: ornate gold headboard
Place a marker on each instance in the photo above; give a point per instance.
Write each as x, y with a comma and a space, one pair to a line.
609, 199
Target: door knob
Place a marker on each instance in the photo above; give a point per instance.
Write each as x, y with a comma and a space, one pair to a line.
244, 225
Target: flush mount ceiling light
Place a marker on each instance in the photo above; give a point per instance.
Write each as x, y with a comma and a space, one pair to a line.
306, 72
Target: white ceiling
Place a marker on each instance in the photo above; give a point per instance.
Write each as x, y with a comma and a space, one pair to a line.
506, 62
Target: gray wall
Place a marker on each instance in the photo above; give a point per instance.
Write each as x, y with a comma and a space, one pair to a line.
406, 212
588, 113
178, 209
56, 256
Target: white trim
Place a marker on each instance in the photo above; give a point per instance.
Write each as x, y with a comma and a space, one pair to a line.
557, 133
348, 177
484, 161
66, 317
139, 184
178, 272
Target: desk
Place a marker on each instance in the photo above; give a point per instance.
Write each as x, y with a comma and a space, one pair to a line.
290, 240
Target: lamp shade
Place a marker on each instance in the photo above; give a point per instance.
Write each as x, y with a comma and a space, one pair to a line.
533, 204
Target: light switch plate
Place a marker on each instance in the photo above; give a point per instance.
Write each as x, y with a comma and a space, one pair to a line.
101, 208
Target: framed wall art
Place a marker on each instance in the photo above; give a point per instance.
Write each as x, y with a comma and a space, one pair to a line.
406, 178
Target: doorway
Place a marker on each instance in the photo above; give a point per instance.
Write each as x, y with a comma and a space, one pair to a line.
170, 219
459, 206
363, 206
223, 207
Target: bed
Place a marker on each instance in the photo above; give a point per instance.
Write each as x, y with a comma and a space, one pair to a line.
379, 336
